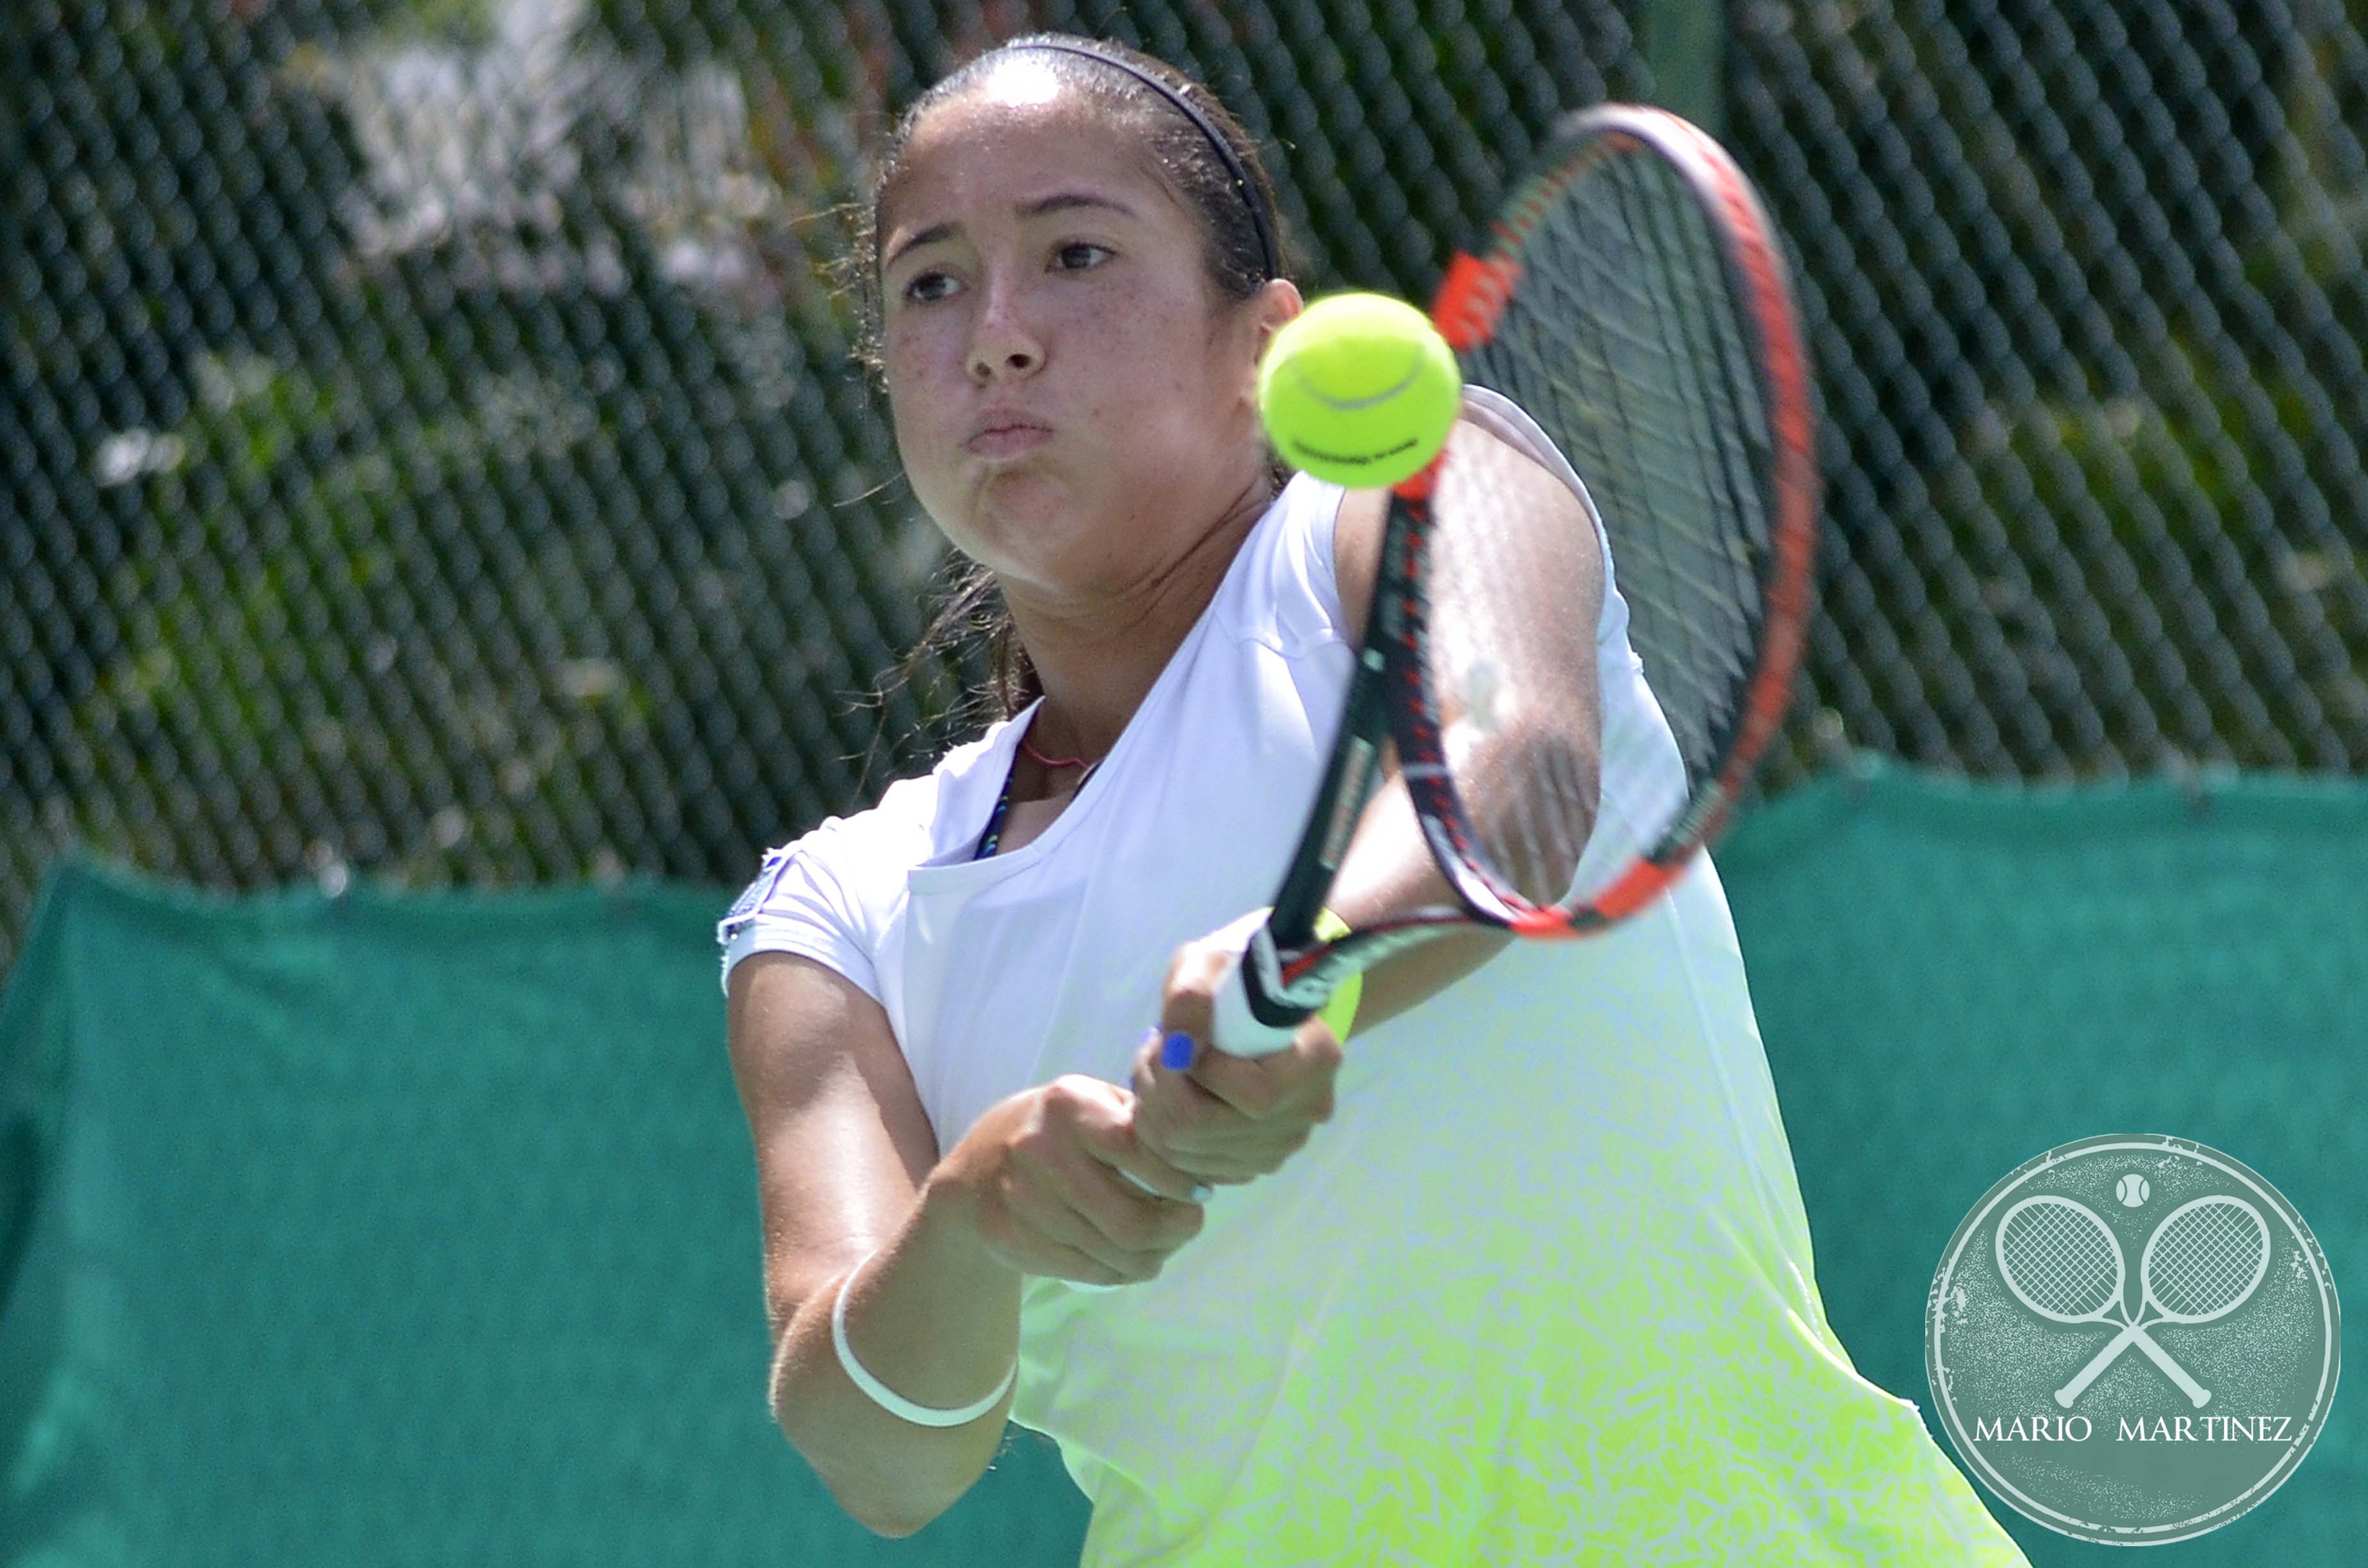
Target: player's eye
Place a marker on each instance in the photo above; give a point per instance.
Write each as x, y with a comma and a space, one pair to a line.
926, 287
1078, 256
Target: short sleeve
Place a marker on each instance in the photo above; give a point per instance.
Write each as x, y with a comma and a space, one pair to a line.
1314, 544
1283, 591
798, 904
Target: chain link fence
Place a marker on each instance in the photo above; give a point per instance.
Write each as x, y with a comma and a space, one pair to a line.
429, 450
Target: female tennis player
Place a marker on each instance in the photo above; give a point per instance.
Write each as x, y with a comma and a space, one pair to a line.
1521, 1275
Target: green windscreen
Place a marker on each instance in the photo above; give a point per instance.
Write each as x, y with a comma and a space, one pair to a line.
421, 1229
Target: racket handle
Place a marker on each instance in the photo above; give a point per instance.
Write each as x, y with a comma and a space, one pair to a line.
1237, 1027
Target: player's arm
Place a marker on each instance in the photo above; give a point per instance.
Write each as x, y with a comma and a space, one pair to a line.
844, 1152
1388, 867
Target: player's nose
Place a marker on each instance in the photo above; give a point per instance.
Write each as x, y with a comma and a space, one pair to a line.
1002, 344
989, 361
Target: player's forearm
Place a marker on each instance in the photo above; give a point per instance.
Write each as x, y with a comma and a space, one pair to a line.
1388, 871
936, 1317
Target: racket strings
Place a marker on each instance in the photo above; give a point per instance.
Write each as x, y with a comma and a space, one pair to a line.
1626, 346
2206, 1259
2060, 1260
1692, 439
1508, 656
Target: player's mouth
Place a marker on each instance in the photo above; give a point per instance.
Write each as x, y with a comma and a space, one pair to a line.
1006, 435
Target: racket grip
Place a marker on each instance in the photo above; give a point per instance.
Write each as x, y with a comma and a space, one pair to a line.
1237, 1028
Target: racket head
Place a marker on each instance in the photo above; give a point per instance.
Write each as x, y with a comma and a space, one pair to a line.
2060, 1259
2205, 1259
1632, 299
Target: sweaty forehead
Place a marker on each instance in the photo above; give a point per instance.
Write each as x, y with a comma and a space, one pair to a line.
1020, 80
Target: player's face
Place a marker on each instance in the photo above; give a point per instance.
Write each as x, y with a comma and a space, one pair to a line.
1073, 401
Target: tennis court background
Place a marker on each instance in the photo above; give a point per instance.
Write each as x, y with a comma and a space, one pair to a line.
420, 1228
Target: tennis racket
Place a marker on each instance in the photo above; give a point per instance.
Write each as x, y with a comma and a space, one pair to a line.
2204, 1260
2061, 1260
1631, 297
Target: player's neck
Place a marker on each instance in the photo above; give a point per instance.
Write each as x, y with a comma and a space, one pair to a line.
1098, 661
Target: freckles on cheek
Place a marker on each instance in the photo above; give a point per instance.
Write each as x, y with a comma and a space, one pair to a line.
1149, 368
910, 408
907, 354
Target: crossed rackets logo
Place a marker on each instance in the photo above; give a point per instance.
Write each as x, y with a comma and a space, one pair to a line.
2205, 1259
2222, 1259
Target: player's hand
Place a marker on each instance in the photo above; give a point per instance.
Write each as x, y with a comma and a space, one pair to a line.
1049, 1179
1227, 1120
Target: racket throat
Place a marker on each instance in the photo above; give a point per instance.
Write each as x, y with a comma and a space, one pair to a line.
1358, 781
1275, 1002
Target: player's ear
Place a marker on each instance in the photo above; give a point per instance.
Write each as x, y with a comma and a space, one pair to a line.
1271, 308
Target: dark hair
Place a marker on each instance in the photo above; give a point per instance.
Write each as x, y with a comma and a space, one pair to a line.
1232, 198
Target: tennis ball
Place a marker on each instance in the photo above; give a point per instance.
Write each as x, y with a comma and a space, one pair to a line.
1359, 389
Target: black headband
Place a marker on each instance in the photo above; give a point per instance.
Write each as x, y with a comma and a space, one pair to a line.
1208, 129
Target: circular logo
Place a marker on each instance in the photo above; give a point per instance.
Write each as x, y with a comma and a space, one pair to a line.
2132, 1339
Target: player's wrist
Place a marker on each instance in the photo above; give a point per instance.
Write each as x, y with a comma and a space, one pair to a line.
949, 1223
880, 1393
944, 1256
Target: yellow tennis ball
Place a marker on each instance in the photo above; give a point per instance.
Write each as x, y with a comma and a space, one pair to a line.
1359, 389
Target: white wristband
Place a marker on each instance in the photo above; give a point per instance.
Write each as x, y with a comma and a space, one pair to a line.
882, 1395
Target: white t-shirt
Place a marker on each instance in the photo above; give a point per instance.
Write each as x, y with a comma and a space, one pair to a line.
1541, 1291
